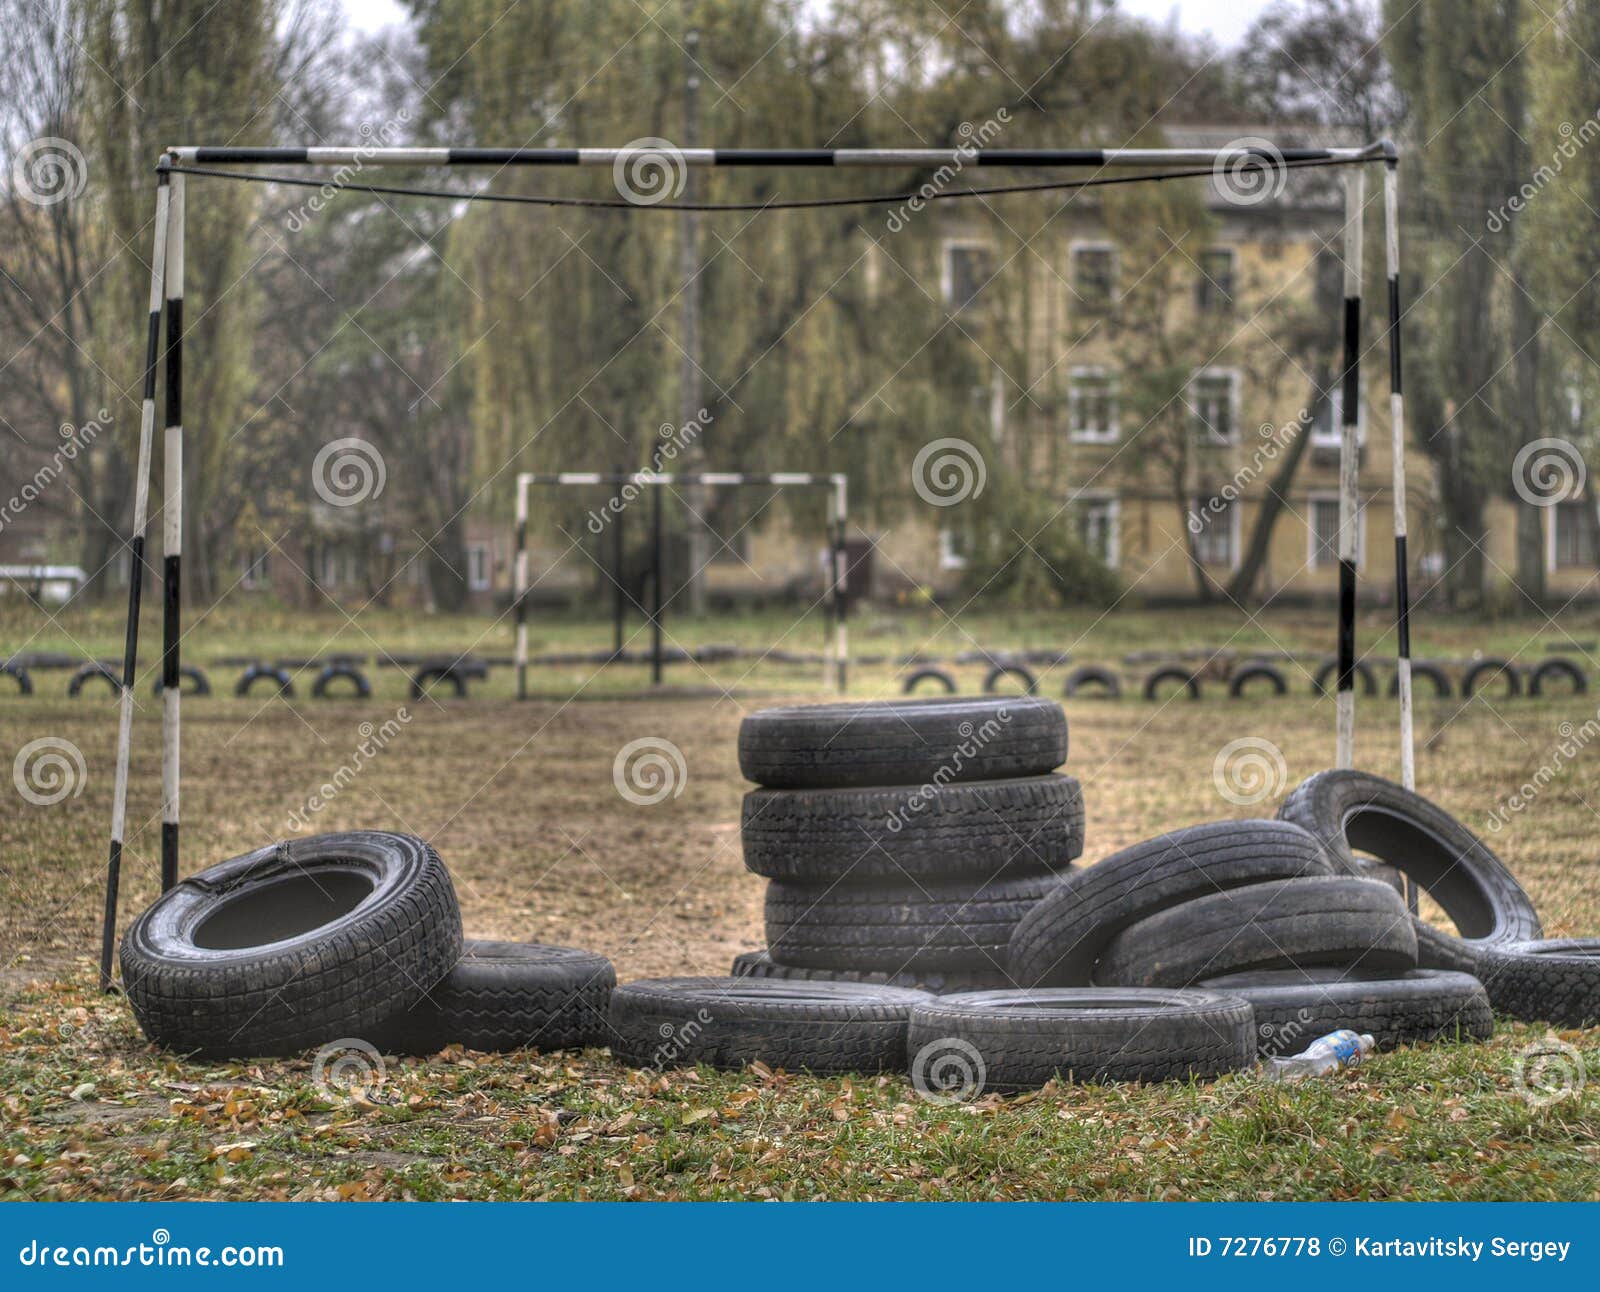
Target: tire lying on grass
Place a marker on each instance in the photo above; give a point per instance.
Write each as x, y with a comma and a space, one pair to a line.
1023, 826
508, 996
760, 964
902, 742
293, 945
1018, 1040
1283, 924
1057, 943
1555, 981
820, 1027
1353, 812
1295, 1007
899, 927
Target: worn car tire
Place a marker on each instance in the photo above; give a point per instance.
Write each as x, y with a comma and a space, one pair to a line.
1295, 1007
1554, 981
1422, 672
979, 831
819, 1027
1486, 669
1057, 943
1283, 924
292, 945
1018, 1040
944, 679
508, 996
1153, 683
902, 742
1092, 675
1553, 668
1021, 672
760, 964
899, 927
1354, 811
1250, 673
1330, 672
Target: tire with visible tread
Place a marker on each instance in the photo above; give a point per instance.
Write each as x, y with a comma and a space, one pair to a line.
1252, 672
1552, 981
1552, 668
1057, 943
293, 945
508, 996
902, 742
1093, 675
1283, 924
914, 680
899, 928
1295, 1007
825, 1028
1353, 811
1152, 684
980, 830
1489, 667
1023, 674
1330, 669
760, 964
1424, 673
1018, 1040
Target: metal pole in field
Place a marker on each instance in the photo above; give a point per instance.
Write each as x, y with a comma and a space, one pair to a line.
839, 510
130, 650
172, 542
618, 588
1397, 428
1355, 192
655, 584
519, 579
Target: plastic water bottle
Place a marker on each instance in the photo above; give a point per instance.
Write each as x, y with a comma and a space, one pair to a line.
1341, 1049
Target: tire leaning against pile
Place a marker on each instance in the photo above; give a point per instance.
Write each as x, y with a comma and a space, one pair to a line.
962, 1045
1057, 943
902, 742
1353, 811
1553, 981
982, 830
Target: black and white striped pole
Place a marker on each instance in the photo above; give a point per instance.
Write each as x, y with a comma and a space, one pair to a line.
1397, 426
838, 520
130, 649
172, 543
1355, 192
519, 579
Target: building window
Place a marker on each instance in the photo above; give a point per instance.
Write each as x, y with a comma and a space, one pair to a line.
1094, 276
1214, 397
1572, 538
253, 571
1098, 520
478, 567
1092, 404
1213, 290
967, 269
1216, 542
1324, 532
955, 546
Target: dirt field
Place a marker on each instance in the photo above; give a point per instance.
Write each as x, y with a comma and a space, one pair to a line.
520, 801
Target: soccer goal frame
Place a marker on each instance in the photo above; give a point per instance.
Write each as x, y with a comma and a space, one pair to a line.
836, 484
166, 295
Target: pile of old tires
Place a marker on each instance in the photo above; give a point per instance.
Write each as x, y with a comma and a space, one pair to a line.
354, 935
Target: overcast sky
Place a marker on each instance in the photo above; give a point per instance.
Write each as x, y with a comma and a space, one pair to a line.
1226, 20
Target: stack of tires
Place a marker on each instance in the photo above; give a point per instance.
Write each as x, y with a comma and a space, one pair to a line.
903, 841
347, 938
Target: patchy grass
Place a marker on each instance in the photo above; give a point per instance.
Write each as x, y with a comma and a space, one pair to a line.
519, 799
